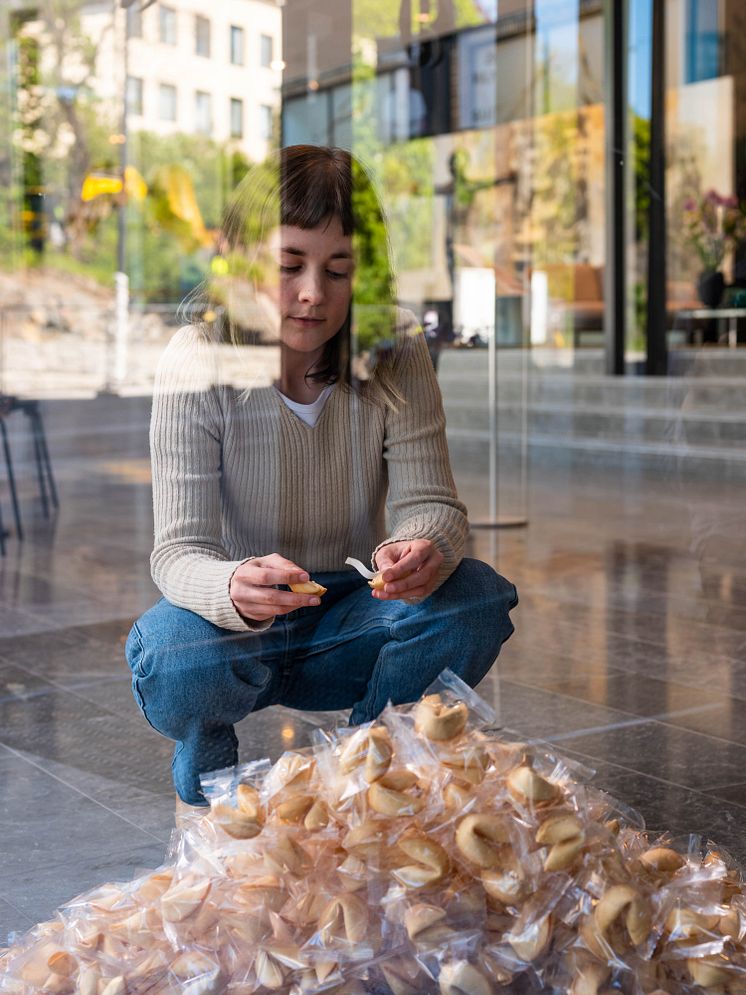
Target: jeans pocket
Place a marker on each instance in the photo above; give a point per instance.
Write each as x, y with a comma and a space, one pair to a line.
253, 673
134, 651
140, 701
137, 693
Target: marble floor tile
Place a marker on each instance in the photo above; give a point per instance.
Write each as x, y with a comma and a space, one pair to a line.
150, 808
699, 709
670, 808
63, 726
37, 895
111, 693
41, 811
677, 756
629, 652
735, 793
12, 921
541, 714
17, 684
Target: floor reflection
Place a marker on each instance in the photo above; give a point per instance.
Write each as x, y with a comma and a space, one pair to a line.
628, 652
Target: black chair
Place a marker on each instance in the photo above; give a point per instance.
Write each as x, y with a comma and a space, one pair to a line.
47, 487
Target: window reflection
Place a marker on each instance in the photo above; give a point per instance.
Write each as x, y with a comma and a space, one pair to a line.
168, 101
202, 36
202, 113
167, 24
237, 45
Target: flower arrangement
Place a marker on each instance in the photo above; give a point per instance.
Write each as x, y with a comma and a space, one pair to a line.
714, 225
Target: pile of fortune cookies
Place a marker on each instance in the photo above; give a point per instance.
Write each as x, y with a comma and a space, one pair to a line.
421, 853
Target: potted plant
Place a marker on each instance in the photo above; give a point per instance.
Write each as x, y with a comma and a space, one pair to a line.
713, 226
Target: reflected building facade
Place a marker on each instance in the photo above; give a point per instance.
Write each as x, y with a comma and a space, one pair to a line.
504, 114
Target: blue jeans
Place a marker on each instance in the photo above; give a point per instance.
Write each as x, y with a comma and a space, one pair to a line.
193, 680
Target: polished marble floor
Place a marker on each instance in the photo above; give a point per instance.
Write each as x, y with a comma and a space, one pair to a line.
629, 652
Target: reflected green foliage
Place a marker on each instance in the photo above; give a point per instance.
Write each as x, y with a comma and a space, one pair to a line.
640, 304
168, 251
641, 140
160, 271
32, 109
403, 173
60, 131
407, 182
380, 18
72, 133
254, 208
555, 206
214, 170
64, 133
95, 256
373, 277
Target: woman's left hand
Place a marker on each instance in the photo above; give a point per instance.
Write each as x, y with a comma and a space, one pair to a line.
409, 570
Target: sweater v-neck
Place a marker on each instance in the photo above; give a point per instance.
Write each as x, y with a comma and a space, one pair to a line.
295, 417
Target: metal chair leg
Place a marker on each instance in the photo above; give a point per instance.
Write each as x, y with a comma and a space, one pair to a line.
40, 470
11, 479
44, 452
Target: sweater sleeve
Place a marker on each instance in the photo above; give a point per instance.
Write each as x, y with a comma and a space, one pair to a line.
189, 563
422, 500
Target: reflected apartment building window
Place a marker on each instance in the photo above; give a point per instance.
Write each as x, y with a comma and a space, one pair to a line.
167, 102
201, 36
134, 96
266, 121
236, 118
202, 113
704, 40
134, 22
266, 51
167, 25
237, 45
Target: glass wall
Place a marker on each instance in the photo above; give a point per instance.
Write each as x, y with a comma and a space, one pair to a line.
564, 181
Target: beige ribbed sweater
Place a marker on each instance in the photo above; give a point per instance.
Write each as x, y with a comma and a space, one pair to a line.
236, 474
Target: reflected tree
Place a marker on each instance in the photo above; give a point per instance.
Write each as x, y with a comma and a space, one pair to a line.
71, 128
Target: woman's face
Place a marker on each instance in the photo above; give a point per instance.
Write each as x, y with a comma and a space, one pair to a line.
315, 286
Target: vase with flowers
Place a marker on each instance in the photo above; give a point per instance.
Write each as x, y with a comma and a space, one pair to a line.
714, 226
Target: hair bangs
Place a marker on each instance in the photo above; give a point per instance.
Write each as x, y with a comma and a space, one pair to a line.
316, 186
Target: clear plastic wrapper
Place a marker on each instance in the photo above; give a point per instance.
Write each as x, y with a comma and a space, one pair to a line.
422, 853
237, 806
358, 777
438, 729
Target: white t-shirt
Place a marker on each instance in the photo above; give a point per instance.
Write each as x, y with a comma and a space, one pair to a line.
309, 413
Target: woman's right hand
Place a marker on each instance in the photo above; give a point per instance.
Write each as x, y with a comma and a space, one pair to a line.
254, 596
